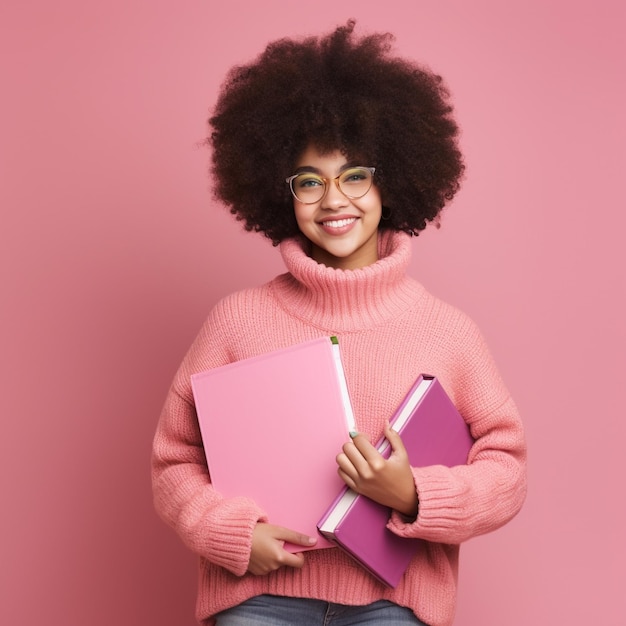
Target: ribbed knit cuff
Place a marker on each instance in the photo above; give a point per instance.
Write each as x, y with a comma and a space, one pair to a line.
440, 507
228, 534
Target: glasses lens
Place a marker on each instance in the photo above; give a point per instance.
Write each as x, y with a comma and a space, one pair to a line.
355, 182
308, 188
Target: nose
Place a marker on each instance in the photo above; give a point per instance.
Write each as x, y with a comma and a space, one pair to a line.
333, 198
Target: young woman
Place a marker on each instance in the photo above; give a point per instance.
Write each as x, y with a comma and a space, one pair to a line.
339, 152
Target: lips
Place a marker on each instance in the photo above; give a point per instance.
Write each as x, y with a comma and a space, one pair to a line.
339, 223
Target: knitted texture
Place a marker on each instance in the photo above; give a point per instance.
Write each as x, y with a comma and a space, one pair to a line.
390, 330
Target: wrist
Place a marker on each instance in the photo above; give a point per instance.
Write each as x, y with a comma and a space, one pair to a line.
409, 509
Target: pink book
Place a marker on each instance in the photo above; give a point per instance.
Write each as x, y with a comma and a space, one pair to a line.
272, 426
434, 433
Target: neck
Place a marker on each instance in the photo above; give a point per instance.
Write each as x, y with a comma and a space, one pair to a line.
364, 256
340, 299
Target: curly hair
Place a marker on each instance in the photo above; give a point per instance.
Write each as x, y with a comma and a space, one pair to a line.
337, 93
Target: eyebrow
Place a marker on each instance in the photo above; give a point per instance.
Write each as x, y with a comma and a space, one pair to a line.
315, 170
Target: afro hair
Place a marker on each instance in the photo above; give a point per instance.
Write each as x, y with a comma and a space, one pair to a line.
336, 92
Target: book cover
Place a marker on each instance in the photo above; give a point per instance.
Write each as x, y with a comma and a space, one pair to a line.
272, 426
434, 433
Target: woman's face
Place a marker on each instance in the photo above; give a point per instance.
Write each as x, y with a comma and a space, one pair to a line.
343, 231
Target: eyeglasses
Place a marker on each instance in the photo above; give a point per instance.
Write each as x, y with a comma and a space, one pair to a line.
309, 188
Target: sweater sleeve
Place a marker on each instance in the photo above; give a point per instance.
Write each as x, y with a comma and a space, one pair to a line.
217, 528
461, 502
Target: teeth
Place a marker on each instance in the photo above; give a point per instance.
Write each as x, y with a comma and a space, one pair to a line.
340, 223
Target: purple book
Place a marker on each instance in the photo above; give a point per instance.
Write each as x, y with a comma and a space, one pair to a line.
434, 433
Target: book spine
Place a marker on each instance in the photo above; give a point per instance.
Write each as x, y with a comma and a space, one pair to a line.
343, 385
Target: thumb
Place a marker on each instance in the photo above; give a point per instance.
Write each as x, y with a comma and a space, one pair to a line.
397, 446
299, 539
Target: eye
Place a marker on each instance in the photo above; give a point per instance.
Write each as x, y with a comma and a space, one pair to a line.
307, 181
355, 175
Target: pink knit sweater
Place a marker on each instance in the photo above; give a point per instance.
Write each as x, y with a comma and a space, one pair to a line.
390, 329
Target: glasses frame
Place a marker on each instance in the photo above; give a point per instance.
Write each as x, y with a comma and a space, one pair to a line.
289, 180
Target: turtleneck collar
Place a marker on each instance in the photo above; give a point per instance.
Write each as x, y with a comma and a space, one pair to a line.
347, 300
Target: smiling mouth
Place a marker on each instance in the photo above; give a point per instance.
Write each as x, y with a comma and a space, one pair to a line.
339, 223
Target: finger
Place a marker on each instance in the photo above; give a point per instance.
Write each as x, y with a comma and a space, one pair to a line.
295, 559
352, 461
360, 441
346, 468
363, 454
365, 447
292, 536
347, 479
395, 440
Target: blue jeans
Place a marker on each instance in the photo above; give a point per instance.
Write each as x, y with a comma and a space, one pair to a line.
268, 610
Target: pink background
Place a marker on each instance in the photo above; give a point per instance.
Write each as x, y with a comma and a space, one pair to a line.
113, 252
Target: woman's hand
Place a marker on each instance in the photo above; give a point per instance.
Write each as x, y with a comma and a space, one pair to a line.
387, 481
268, 553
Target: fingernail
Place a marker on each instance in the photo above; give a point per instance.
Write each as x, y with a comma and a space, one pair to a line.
353, 434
